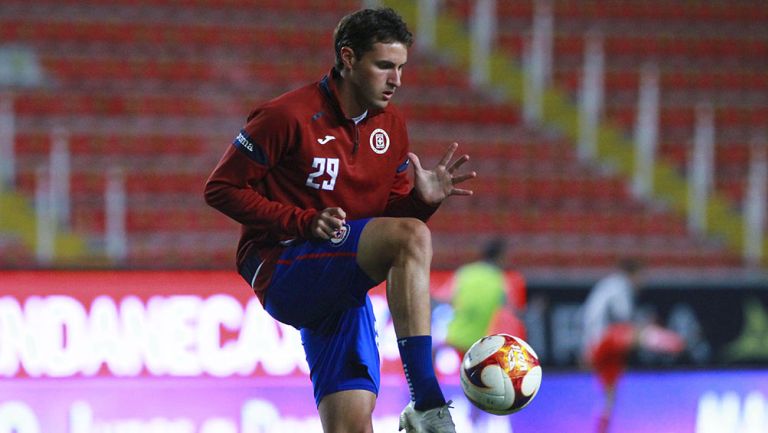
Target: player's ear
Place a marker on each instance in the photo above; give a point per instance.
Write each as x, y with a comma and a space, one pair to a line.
347, 56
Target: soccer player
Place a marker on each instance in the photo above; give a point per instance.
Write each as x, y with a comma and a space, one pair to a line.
318, 179
482, 305
480, 294
611, 332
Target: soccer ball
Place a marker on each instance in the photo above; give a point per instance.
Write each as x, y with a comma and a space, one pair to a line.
500, 374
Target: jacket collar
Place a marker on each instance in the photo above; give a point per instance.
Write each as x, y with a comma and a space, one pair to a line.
329, 89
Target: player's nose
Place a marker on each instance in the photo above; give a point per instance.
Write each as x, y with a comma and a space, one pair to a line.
395, 78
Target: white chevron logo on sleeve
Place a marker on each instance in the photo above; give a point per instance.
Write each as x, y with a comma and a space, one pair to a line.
326, 139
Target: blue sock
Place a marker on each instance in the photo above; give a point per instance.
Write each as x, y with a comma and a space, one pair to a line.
416, 354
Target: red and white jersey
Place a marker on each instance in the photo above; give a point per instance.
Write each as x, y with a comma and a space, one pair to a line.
299, 154
610, 301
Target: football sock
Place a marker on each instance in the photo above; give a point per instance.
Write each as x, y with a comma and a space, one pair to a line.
416, 354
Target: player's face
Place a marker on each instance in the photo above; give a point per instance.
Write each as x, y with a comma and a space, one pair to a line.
376, 75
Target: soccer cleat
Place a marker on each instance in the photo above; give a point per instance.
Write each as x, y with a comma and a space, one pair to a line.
437, 420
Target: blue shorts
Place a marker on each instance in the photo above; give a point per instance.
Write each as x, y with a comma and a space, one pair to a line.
318, 288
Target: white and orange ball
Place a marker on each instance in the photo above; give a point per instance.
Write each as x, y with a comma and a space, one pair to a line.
500, 374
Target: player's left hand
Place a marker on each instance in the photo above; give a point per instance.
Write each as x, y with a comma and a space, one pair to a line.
434, 186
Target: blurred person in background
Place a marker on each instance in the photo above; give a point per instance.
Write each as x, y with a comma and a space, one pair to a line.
481, 300
612, 331
318, 178
483, 304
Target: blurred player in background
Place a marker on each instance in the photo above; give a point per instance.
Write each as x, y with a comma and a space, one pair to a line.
612, 331
481, 300
482, 304
318, 178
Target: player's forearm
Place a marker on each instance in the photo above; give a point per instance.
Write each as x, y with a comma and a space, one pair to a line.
250, 208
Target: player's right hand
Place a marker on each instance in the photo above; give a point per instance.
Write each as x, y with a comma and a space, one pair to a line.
327, 222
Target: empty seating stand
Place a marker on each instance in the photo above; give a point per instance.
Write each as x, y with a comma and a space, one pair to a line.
159, 88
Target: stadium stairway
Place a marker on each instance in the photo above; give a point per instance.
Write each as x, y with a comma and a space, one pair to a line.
19, 225
707, 52
158, 88
725, 67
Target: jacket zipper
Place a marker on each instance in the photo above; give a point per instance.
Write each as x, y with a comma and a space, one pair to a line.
357, 140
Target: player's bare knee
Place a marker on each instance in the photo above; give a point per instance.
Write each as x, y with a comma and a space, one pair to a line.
415, 238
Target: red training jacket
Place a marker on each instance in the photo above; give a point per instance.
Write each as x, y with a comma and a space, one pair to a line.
299, 154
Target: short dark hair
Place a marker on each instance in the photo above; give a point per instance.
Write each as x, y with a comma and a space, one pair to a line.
360, 30
494, 249
630, 265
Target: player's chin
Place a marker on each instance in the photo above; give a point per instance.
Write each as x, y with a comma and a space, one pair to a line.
380, 104
382, 101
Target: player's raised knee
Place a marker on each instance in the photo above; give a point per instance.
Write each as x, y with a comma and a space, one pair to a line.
415, 235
